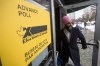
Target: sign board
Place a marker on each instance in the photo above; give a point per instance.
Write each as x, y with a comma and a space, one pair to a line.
24, 32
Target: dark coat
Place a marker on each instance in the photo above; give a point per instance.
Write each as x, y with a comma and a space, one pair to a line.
64, 47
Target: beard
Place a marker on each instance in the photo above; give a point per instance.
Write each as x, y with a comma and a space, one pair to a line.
69, 28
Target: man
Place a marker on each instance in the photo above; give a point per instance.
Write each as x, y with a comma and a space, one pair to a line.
67, 43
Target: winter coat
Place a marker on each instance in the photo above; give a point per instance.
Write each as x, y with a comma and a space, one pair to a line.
64, 47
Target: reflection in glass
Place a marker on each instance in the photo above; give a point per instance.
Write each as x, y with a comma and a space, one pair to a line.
44, 3
84, 19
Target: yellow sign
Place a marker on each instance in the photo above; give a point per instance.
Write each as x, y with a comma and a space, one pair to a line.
24, 32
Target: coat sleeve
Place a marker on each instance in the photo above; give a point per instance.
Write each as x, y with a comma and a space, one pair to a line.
82, 38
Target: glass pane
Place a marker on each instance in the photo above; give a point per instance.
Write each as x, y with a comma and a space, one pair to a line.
84, 19
44, 3
41, 3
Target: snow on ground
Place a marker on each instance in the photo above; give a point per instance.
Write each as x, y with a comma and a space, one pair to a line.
90, 27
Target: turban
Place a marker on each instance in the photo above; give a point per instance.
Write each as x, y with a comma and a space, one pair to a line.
66, 20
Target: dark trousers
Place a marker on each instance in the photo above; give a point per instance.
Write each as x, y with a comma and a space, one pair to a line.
65, 59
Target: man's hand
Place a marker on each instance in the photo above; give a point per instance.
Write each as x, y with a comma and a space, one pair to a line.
84, 47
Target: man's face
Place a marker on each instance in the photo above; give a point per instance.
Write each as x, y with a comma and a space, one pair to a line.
68, 25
